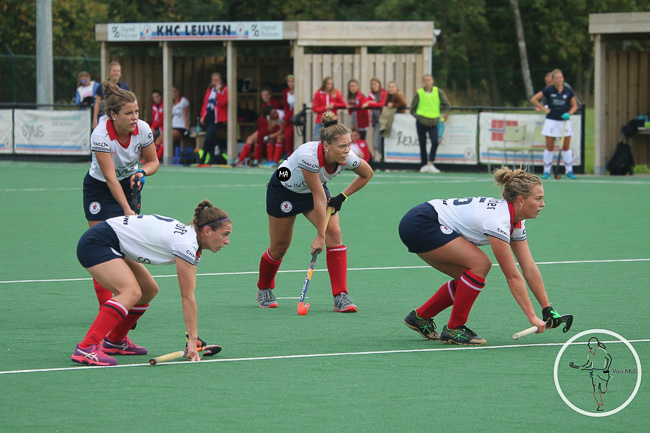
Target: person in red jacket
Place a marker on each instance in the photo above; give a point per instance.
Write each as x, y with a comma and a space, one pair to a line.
156, 123
288, 102
359, 146
360, 117
214, 114
327, 98
376, 101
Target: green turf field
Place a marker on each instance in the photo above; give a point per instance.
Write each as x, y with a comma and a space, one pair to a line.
324, 372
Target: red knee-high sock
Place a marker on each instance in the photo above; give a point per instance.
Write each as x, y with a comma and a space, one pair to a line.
103, 294
279, 147
268, 268
467, 290
270, 149
441, 300
259, 147
110, 314
246, 150
337, 267
118, 333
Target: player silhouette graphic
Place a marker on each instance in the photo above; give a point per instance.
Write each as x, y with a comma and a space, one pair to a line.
598, 363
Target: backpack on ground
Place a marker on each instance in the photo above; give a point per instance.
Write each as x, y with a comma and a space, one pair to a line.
622, 162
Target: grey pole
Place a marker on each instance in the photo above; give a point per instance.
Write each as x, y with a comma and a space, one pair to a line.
44, 68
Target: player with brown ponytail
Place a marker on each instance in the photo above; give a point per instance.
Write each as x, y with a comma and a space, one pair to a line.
115, 251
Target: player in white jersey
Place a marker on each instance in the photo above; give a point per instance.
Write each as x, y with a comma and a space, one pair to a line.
445, 234
115, 251
117, 145
299, 186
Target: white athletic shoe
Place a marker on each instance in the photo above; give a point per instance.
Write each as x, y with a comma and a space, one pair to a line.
429, 168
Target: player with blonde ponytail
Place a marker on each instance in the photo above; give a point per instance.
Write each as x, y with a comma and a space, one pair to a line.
446, 235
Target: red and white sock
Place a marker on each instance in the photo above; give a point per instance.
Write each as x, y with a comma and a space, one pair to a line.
337, 267
103, 294
110, 314
442, 299
467, 290
268, 269
119, 332
259, 147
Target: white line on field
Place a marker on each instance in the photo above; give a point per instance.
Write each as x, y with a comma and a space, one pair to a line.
379, 268
312, 355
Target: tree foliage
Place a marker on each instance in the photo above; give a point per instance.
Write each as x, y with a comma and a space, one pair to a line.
476, 54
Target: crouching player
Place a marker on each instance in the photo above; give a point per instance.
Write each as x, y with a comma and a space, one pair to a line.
114, 251
445, 234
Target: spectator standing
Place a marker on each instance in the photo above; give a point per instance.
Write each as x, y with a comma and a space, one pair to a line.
114, 75
376, 101
156, 123
214, 115
89, 94
427, 106
356, 100
327, 98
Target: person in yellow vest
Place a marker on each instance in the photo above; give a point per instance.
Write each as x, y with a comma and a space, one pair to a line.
429, 102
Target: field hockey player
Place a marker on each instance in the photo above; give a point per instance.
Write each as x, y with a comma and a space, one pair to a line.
299, 186
446, 235
114, 251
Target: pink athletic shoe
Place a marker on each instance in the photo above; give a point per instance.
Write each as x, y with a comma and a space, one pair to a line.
124, 347
93, 355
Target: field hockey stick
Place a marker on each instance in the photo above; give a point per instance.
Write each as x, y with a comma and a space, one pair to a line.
209, 350
303, 307
567, 319
135, 196
559, 152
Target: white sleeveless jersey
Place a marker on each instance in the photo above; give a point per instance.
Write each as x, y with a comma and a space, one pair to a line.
156, 240
310, 156
125, 158
476, 218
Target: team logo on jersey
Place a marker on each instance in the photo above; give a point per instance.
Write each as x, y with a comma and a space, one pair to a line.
286, 206
446, 230
355, 164
94, 208
138, 147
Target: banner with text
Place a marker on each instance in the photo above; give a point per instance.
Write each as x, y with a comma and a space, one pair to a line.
517, 139
456, 146
49, 132
196, 31
6, 126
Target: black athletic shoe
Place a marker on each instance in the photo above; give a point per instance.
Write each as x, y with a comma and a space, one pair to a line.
426, 327
461, 335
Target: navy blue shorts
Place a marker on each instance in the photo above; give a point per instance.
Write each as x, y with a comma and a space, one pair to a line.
421, 231
281, 202
97, 245
99, 203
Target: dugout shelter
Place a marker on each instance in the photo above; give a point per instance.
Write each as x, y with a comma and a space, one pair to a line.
309, 60
622, 82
